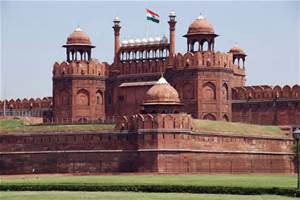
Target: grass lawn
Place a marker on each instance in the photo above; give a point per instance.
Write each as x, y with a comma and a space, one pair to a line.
16, 126
129, 196
258, 181
237, 128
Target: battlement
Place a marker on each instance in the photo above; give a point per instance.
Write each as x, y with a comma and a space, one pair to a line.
45, 102
205, 59
139, 66
154, 121
265, 92
82, 67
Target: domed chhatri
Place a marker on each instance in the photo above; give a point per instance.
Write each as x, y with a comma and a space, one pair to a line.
237, 50
162, 93
200, 32
202, 26
78, 37
78, 46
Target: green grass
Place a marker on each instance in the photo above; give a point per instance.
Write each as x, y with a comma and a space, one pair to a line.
236, 128
258, 181
16, 126
129, 196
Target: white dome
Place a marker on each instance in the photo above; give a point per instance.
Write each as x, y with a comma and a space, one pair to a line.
131, 42
164, 39
172, 14
138, 41
150, 40
157, 39
124, 43
200, 17
78, 29
117, 18
144, 41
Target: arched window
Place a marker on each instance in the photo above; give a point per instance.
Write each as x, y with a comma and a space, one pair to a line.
224, 92
99, 97
83, 97
205, 46
209, 91
196, 46
209, 117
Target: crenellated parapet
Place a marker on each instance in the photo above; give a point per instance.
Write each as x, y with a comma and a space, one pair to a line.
91, 68
205, 59
265, 92
139, 66
155, 121
18, 104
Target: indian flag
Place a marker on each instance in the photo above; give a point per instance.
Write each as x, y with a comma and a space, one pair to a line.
152, 16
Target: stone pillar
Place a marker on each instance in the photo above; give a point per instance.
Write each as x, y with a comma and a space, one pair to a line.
172, 22
117, 28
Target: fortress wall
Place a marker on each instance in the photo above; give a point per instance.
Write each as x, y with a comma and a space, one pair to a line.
197, 162
156, 150
266, 105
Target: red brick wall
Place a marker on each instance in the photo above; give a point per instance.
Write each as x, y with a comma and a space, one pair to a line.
266, 105
156, 150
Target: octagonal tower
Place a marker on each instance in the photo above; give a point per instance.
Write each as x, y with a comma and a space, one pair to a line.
79, 82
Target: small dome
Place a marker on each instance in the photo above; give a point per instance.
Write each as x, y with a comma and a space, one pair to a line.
131, 42
124, 43
164, 39
150, 40
236, 50
162, 93
138, 41
172, 14
144, 41
116, 19
79, 37
157, 40
201, 25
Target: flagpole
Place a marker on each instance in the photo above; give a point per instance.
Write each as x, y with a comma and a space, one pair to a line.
147, 28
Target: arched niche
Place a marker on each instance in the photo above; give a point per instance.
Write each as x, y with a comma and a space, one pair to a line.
225, 118
209, 91
224, 92
99, 97
83, 97
209, 116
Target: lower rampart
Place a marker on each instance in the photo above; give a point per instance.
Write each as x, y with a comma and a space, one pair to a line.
147, 150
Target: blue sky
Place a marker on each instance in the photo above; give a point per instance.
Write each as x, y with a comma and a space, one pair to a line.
32, 34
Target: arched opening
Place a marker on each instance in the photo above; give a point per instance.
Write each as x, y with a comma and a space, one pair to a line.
209, 91
196, 46
83, 97
225, 118
99, 97
209, 117
83, 120
224, 92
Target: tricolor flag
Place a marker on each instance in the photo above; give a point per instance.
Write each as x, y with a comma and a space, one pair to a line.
152, 16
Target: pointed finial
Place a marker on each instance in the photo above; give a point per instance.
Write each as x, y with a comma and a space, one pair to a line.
78, 28
200, 16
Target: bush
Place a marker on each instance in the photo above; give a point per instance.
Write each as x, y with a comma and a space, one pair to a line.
153, 188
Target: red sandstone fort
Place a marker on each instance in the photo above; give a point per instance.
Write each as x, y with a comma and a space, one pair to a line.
154, 92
